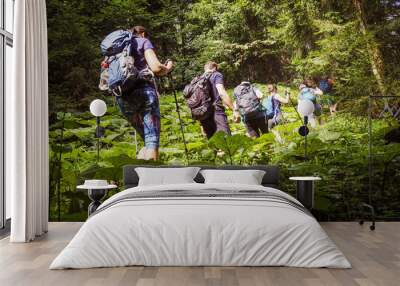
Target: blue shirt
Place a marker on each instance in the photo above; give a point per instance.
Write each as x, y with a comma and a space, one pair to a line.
139, 46
271, 105
217, 78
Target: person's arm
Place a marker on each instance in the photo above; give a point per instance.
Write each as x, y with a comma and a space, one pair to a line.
282, 99
236, 114
317, 91
226, 99
155, 65
258, 92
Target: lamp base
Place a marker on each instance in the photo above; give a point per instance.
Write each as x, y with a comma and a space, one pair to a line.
95, 196
303, 130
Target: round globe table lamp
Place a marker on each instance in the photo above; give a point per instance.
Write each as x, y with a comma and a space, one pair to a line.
98, 108
305, 109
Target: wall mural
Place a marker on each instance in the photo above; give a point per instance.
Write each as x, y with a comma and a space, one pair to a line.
332, 55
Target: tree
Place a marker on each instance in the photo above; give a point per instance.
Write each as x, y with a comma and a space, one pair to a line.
375, 55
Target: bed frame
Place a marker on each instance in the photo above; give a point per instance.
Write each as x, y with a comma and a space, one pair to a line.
271, 177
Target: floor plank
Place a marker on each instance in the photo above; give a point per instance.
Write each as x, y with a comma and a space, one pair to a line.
375, 256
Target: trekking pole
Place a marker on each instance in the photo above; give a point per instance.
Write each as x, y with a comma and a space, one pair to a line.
179, 117
136, 145
134, 135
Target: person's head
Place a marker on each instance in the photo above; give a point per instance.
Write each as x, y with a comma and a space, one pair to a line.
309, 82
139, 31
271, 88
210, 66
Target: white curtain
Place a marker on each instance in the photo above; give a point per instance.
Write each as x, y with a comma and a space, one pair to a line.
27, 124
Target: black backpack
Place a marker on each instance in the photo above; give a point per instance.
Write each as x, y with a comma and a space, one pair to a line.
198, 95
246, 98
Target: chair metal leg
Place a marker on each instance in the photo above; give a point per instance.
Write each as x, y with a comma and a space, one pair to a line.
361, 215
371, 214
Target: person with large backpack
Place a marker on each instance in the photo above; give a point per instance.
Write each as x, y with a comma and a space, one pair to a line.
248, 105
272, 105
128, 73
309, 91
207, 98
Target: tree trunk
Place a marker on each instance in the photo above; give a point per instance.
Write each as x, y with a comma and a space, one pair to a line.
182, 36
375, 55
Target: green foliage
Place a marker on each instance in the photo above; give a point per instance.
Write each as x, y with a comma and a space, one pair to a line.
337, 152
264, 41
261, 40
232, 148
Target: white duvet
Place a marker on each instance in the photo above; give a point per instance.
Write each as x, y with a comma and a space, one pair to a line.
200, 231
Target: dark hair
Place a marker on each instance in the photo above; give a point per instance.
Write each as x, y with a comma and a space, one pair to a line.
211, 65
138, 30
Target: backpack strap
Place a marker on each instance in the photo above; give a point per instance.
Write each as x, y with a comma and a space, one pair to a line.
208, 75
117, 91
252, 89
275, 109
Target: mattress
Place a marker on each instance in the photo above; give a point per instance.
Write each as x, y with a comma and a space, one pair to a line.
201, 225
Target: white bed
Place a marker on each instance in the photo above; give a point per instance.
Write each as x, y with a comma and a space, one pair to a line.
201, 231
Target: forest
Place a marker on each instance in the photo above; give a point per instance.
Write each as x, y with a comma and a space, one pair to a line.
357, 43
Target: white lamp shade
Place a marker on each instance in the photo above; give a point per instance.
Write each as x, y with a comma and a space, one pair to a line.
305, 107
98, 107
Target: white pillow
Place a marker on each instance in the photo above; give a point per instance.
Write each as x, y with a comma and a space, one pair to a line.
166, 176
247, 177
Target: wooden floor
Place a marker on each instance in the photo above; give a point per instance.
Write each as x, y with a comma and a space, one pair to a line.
375, 257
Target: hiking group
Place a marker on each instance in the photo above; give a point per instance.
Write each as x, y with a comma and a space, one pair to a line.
128, 71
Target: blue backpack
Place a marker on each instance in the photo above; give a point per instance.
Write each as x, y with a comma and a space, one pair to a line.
116, 42
271, 107
118, 72
325, 86
308, 93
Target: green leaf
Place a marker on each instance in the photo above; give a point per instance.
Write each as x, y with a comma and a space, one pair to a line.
327, 136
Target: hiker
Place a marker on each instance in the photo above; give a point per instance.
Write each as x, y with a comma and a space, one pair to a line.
308, 90
326, 85
139, 104
207, 98
248, 106
272, 105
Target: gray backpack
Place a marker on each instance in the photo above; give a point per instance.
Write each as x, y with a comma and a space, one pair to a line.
246, 98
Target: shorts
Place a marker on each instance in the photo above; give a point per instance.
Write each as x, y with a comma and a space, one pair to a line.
141, 108
218, 121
